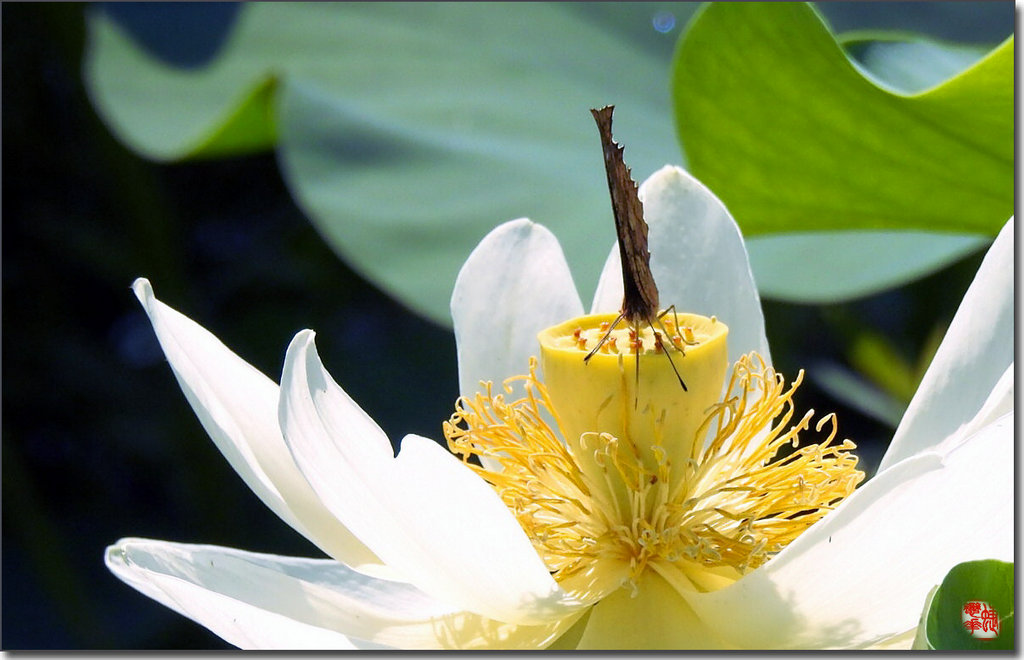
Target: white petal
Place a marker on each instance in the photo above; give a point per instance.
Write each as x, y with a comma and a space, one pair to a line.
998, 403
424, 513
237, 406
975, 353
514, 284
260, 601
698, 260
901, 642
860, 576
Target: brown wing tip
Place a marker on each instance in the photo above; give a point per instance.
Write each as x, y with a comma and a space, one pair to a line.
603, 115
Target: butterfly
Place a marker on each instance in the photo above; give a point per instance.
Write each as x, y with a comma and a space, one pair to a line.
640, 305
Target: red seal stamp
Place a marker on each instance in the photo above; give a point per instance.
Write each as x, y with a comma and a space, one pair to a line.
980, 620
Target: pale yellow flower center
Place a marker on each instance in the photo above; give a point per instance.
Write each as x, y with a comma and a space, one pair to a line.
612, 470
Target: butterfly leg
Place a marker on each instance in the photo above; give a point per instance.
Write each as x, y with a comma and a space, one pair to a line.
608, 334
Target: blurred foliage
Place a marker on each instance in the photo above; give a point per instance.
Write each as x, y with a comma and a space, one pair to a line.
406, 146
493, 98
882, 380
98, 441
907, 62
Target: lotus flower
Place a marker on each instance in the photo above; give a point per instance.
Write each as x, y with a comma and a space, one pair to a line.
581, 509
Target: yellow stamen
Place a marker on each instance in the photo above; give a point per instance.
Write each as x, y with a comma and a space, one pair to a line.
603, 503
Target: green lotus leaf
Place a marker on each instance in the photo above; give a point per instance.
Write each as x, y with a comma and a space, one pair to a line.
775, 118
946, 620
846, 177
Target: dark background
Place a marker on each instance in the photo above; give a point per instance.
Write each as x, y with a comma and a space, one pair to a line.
98, 441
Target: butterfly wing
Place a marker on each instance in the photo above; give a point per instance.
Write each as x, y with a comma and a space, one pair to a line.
640, 293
